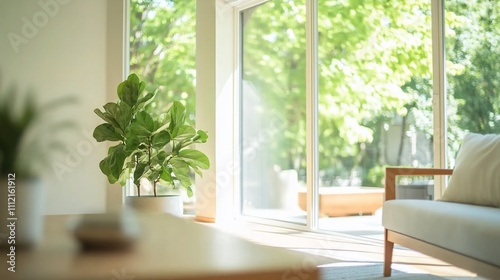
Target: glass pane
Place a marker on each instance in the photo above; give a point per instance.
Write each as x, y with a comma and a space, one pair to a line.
162, 50
472, 34
375, 107
273, 96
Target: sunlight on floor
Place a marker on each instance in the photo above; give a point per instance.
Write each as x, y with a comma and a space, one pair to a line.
355, 240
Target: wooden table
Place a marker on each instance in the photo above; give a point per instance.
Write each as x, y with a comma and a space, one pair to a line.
169, 248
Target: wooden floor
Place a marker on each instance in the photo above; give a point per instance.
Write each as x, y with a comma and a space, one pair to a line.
355, 246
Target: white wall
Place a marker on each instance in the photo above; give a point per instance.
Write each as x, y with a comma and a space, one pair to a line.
58, 48
215, 192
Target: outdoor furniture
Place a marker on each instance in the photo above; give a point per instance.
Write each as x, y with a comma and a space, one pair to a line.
346, 201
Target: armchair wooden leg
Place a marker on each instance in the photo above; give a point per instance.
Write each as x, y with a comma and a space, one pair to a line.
388, 248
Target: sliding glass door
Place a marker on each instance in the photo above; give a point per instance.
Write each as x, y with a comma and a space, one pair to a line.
382, 79
272, 110
374, 104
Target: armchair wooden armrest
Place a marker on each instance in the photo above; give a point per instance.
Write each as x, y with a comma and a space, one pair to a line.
392, 172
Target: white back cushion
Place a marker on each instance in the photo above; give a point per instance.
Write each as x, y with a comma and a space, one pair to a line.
476, 176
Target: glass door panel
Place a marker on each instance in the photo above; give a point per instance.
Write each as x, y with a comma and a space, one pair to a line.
375, 106
272, 110
472, 36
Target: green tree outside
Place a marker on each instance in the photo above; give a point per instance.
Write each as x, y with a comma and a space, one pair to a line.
375, 64
162, 50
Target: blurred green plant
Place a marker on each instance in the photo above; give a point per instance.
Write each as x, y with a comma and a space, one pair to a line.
28, 135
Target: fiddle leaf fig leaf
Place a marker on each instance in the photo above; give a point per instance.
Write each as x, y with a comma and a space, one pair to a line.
133, 79
111, 111
195, 158
162, 155
164, 120
201, 137
129, 90
124, 176
161, 139
166, 175
145, 120
181, 171
142, 86
139, 171
104, 166
124, 115
177, 114
182, 132
143, 101
105, 116
189, 191
136, 130
117, 156
112, 108
105, 132
132, 143
154, 175
121, 89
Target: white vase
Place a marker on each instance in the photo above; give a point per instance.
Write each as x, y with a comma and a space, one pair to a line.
21, 212
171, 204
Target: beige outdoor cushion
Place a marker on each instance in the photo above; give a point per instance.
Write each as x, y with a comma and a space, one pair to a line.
476, 176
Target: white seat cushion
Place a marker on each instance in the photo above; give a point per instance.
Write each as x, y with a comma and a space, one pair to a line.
467, 229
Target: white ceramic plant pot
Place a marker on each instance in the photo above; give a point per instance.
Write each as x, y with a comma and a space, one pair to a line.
171, 204
21, 212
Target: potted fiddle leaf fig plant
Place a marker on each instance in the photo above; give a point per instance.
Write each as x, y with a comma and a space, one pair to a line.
156, 150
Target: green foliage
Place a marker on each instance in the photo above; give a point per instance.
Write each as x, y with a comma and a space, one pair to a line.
474, 54
156, 148
367, 51
28, 136
162, 51
375, 65
13, 129
375, 176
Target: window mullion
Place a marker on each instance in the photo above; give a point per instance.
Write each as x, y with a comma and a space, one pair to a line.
439, 93
312, 114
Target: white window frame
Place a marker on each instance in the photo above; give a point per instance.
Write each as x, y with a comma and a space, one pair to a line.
439, 94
